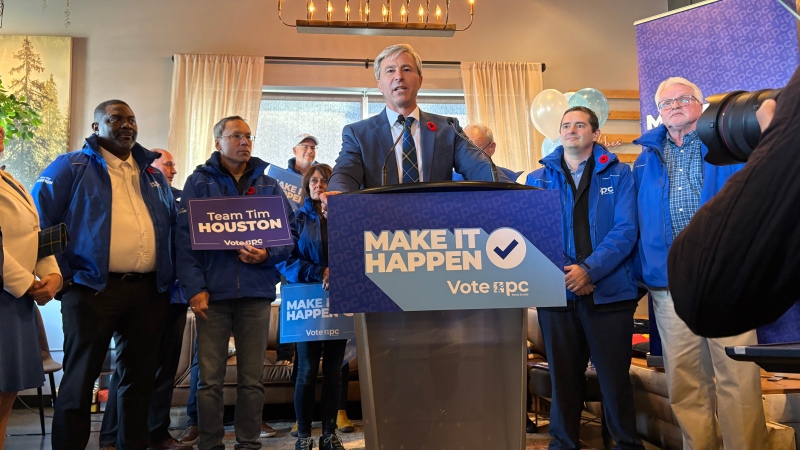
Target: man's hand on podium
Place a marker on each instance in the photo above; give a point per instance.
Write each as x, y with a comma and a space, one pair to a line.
323, 197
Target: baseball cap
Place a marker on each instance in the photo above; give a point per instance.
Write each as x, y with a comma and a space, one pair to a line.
302, 137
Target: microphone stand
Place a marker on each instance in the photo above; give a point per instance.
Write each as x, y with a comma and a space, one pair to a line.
402, 121
451, 122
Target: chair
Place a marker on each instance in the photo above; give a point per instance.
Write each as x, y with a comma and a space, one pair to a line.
50, 365
539, 384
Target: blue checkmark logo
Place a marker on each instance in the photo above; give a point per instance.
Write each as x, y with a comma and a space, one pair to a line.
503, 253
506, 248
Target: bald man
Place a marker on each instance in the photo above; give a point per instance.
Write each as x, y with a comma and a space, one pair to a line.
481, 136
166, 164
158, 420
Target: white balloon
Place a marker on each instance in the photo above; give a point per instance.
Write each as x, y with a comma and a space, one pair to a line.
548, 146
546, 110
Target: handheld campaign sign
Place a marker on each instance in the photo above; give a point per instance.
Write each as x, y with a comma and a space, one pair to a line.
305, 315
290, 182
226, 223
446, 251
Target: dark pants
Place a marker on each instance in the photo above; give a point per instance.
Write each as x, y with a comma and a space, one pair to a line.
345, 382
570, 337
169, 356
135, 310
194, 380
308, 356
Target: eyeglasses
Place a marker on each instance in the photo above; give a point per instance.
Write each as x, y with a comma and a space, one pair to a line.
308, 147
238, 136
318, 181
682, 101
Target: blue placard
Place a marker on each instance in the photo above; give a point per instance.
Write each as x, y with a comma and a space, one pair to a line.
305, 315
446, 250
290, 182
225, 223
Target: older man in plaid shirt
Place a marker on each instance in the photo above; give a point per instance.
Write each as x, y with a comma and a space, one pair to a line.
715, 399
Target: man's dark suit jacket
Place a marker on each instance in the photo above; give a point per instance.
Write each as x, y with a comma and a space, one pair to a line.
365, 145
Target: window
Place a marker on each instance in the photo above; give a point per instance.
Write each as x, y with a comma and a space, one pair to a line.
285, 115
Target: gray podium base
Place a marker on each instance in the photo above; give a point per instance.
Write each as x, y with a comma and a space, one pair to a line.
443, 379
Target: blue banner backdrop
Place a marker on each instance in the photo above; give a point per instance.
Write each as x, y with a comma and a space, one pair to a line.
445, 251
305, 316
720, 46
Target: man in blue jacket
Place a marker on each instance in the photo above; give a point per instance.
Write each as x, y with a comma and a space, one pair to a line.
230, 290
599, 229
711, 395
117, 271
169, 354
305, 152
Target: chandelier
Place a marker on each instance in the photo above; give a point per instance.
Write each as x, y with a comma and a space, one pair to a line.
377, 18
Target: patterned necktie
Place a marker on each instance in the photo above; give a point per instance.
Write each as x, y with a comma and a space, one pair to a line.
410, 166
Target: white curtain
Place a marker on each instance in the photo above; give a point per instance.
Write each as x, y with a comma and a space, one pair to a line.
205, 89
499, 94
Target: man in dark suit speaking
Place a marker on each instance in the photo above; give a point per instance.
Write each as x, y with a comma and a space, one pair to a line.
428, 148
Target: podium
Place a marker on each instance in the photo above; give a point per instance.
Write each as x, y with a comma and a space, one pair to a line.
441, 276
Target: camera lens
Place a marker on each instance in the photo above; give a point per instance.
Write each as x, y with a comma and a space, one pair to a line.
729, 127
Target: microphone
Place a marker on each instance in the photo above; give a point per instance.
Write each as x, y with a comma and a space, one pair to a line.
401, 120
451, 122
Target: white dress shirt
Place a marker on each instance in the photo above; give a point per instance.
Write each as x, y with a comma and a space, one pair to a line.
397, 131
133, 238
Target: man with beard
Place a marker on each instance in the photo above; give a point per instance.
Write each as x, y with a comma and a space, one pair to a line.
117, 271
169, 354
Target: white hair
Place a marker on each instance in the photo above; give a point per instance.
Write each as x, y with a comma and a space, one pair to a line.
678, 80
483, 129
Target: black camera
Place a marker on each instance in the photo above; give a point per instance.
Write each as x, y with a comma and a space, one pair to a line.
729, 127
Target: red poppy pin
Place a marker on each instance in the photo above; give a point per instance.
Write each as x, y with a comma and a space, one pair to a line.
251, 190
431, 126
151, 170
603, 159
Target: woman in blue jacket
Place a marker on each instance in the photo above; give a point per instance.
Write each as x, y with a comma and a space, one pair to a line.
309, 264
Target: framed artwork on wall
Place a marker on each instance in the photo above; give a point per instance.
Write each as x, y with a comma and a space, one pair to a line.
38, 68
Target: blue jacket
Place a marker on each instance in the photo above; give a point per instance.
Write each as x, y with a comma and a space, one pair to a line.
612, 220
652, 194
176, 294
220, 272
291, 168
76, 189
307, 261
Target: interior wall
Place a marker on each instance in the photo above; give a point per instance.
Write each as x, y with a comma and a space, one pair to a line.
123, 49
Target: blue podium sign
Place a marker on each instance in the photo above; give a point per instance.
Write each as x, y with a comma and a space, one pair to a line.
290, 182
225, 223
305, 315
446, 251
